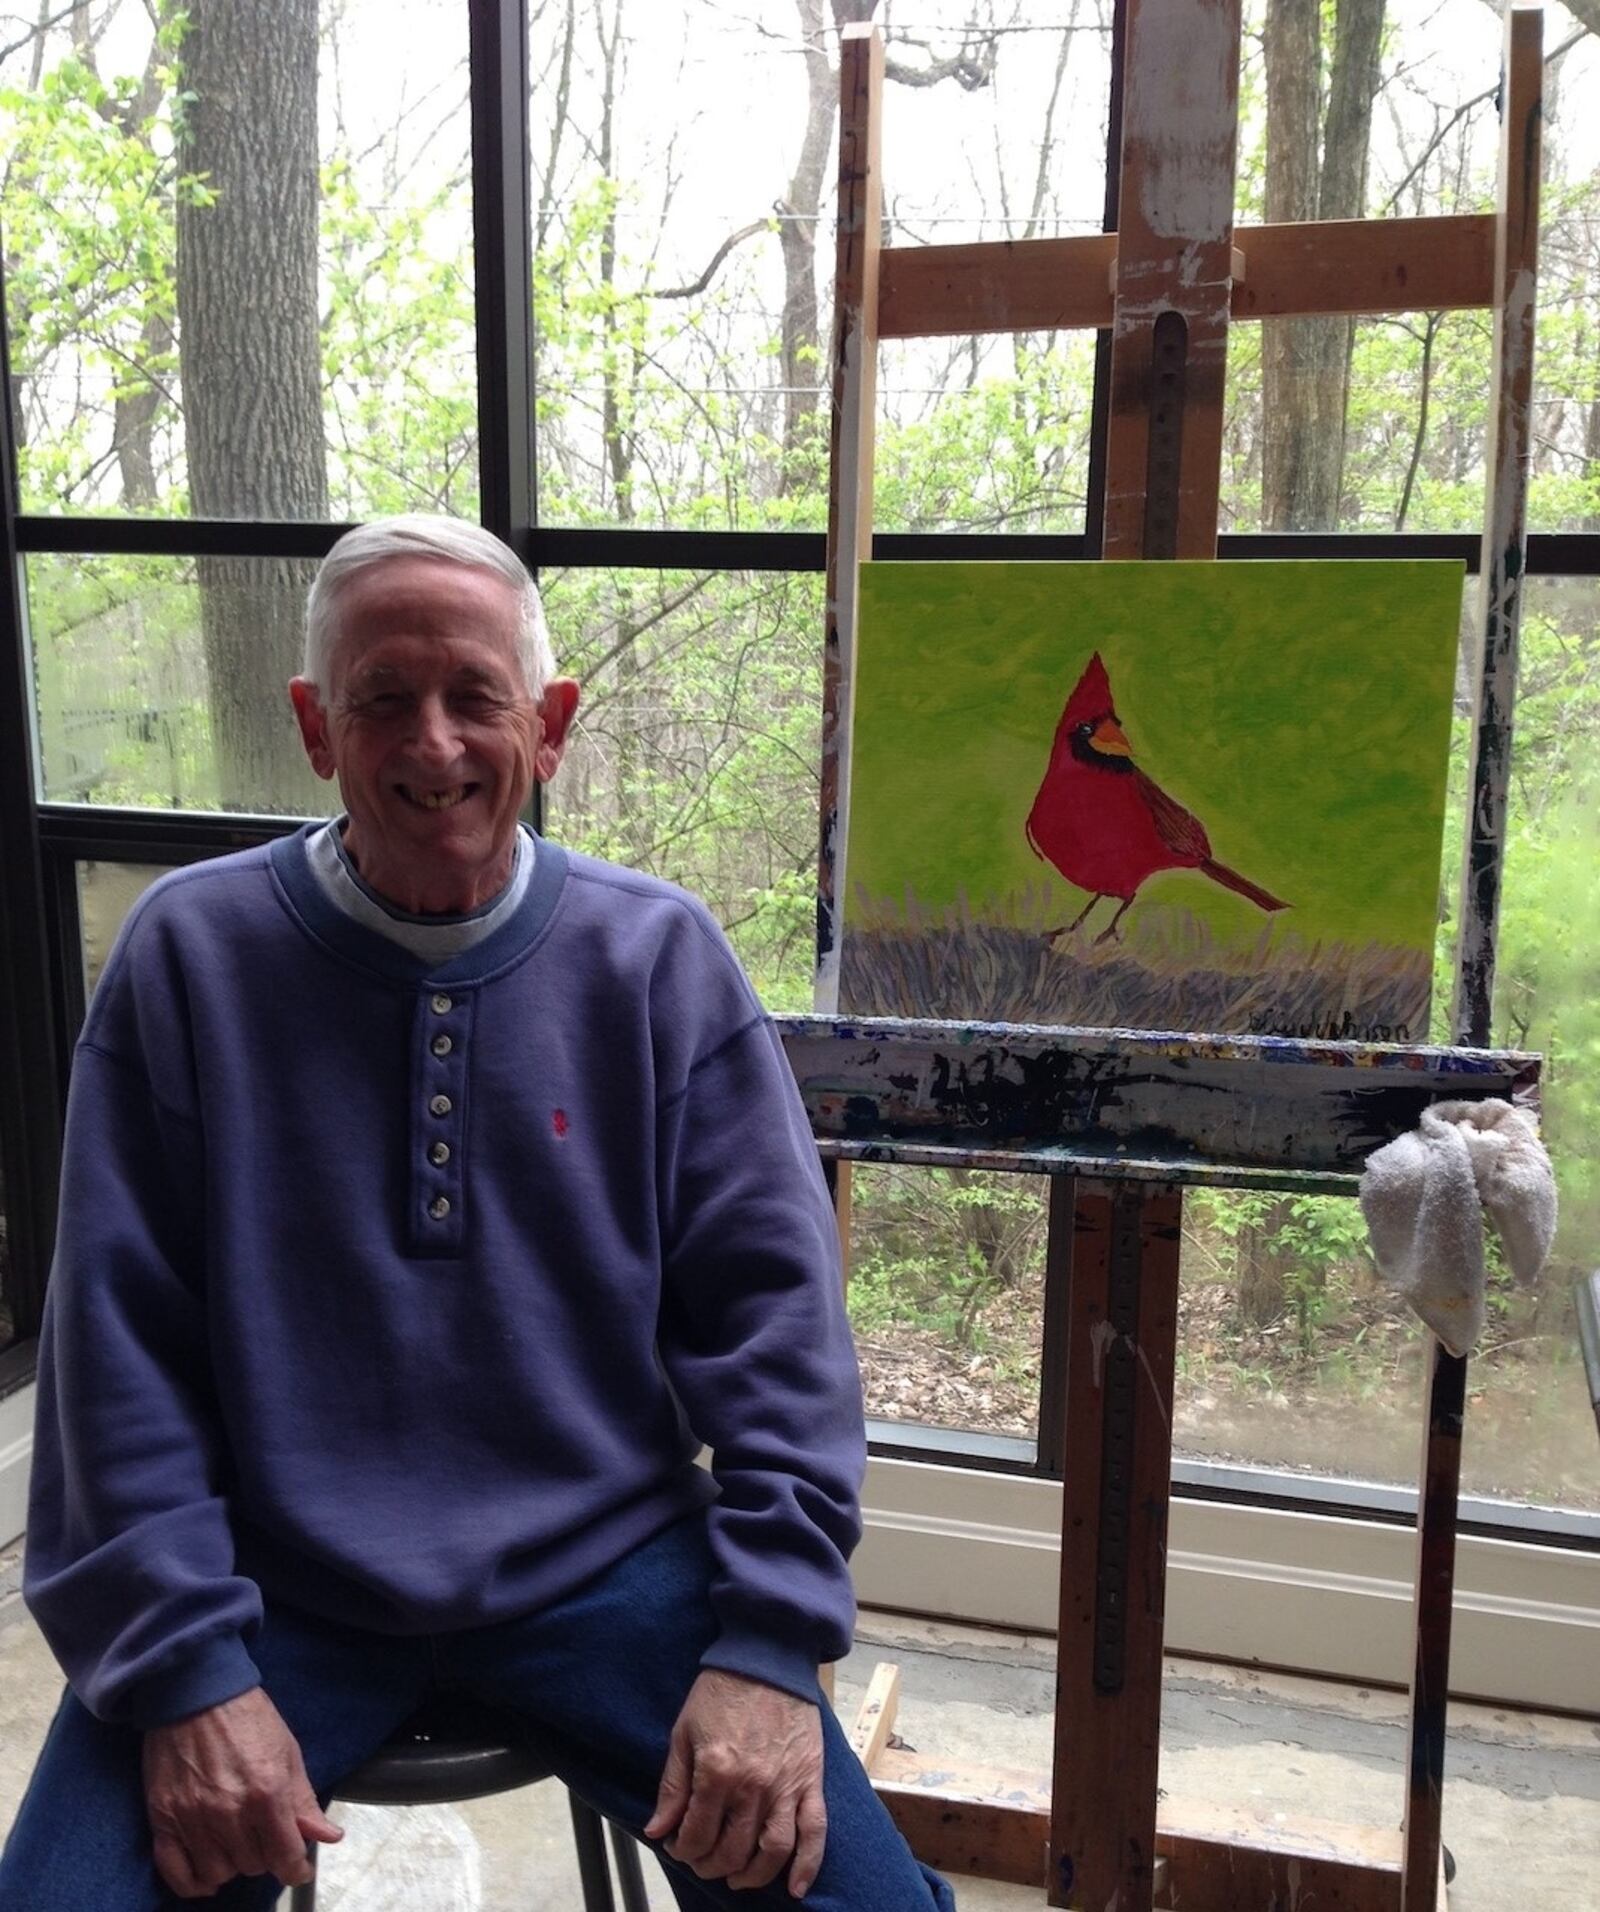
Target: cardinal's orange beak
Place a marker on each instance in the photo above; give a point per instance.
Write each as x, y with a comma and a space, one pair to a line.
1109, 740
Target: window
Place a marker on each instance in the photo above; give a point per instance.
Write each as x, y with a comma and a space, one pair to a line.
678, 255
192, 333
161, 682
682, 302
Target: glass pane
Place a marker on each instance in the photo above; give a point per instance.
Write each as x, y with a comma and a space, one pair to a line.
984, 434
1529, 1395
664, 394
682, 302
161, 681
697, 749
1428, 129
1291, 1352
994, 120
1564, 479
301, 353
1380, 425
947, 1295
106, 893
1412, 455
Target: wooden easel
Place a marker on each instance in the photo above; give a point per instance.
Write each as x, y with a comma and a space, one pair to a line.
1168, 284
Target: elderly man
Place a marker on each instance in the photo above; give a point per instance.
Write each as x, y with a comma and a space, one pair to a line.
431, 1194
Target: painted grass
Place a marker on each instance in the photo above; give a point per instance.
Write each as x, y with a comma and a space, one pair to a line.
1164, 971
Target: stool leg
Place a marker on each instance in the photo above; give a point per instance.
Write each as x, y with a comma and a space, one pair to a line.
303, 1898
592, 1868
630, 1875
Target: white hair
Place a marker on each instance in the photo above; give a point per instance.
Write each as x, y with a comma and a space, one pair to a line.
419, 534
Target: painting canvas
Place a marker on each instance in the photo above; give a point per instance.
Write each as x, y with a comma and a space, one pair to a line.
1202, 797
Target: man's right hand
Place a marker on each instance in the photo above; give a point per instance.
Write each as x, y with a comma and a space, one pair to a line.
226, 1792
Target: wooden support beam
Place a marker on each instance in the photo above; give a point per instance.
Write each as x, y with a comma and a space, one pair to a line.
1121, 1333
1323, 266
994, 1824
875, 1721
983, 1838
855, 384
1431, 1616
1505, 547
1505, 532
1169, 335
1009, 285
1366, 265
1174, 283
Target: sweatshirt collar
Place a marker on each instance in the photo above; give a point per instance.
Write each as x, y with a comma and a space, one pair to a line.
371, 950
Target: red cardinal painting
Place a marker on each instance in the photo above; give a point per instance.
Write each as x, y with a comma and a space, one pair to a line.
1103, 823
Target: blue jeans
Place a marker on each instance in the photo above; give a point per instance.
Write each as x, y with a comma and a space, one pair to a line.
599, 1677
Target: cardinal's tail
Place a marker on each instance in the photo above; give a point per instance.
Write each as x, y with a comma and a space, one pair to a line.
1232, 880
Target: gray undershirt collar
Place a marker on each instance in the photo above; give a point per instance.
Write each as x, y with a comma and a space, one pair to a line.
435, 939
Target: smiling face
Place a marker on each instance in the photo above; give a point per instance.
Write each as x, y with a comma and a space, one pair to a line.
429, 726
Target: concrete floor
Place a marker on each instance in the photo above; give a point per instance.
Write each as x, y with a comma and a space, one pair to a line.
1522, 1795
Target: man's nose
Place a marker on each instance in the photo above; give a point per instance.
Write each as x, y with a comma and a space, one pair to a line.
436, 737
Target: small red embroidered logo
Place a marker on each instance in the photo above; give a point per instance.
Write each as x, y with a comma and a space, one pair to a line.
558, 1121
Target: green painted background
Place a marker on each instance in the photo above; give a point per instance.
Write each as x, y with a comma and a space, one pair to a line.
1301, 710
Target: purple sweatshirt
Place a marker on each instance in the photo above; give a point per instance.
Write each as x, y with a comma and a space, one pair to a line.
407, 1295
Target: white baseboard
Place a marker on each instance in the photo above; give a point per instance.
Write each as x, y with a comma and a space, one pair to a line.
1309, 1592
16, 1450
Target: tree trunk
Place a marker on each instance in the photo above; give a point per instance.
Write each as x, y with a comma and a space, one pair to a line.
250, 361
800, 351
1305, 374
1293, 57
1352, 89
135, 414
1263, 1296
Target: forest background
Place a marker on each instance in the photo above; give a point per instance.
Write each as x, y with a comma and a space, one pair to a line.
238, 263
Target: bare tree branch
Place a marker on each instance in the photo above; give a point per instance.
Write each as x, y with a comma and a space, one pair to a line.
1489, 93
721, 253
36, 33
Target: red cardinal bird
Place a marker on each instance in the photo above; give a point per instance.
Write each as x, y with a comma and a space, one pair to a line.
1102, 822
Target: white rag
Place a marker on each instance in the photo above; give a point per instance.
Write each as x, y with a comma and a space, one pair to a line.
1425, 1196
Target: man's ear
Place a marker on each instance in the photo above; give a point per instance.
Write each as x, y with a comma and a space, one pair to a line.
557, 708
313, 722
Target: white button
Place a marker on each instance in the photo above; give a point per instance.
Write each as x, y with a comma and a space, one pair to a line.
440, 1105
441, 1045
439, 1207
442, 1005
439, 1154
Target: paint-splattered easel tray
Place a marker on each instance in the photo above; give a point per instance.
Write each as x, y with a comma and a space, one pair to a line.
1143, 1105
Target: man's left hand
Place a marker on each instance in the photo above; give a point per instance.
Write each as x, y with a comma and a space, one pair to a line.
742, 1791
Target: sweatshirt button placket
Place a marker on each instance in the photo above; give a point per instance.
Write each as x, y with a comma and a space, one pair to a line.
436, 1178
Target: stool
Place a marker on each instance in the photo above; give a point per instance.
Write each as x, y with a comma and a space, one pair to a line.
451, 1750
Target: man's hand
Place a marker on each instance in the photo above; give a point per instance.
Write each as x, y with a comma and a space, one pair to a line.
742, 1790
226, 1792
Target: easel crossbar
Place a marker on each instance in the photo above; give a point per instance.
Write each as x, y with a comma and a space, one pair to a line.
1345, 266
